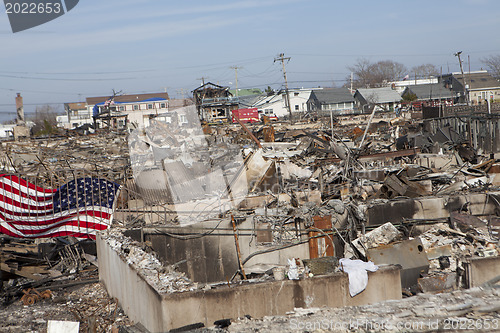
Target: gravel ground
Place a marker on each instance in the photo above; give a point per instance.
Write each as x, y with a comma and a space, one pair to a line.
473, 310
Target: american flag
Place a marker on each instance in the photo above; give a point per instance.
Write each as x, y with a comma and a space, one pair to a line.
108, 102
78, 208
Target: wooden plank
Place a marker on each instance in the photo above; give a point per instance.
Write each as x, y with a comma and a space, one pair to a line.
23, 272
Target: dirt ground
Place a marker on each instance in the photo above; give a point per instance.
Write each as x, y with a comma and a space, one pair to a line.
88, 304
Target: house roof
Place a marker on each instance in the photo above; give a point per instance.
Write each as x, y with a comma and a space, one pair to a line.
379, 95
333, 95
479, 80
250, 100
246, 92
75, 106
430, 91
127, 98
210, 85
179, 103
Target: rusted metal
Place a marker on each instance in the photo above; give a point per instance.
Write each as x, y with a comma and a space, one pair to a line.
31, 296
268, 134
248, 132
319, 244
236, 242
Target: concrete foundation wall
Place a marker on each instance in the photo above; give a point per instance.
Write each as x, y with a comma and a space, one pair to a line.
430, 208
138, 299
480, 270
277, 298
213, 257
162, 312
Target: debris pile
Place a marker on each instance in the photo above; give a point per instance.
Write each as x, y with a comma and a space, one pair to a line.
32, 269
391, 192
165, 279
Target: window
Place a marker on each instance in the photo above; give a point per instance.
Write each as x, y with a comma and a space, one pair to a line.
183, 118
136, 107
296, 107
150, 106
296, 94
163, 105
221, 112
121, 108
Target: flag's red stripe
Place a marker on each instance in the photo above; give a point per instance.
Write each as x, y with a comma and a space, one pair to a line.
28, 184
26, 214
54, 234
22, 205
92, 213
11, 189
74, 223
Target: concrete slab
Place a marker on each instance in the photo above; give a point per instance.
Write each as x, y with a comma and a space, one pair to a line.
410, 254
438, 283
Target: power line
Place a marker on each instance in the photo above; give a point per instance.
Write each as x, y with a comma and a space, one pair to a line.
387, 55
35, 104
80, 73
60, 79
225, 63
39, 91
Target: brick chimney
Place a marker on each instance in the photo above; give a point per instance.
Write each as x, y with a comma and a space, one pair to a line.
20, 110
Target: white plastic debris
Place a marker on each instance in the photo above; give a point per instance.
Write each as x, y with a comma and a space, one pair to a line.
357, 272
58, 326
293, 272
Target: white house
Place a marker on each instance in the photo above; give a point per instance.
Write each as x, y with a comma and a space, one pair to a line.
117, 111
275, 105
7, 131
123, 109
76, 115
383, 99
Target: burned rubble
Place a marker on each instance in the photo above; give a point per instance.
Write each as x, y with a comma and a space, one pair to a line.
225, 206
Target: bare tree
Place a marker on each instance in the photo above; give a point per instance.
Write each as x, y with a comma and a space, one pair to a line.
375, 75
45, 119
493, 65
425, 71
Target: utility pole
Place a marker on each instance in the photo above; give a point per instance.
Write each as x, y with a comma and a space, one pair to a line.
352, 79
181, 92
236, 74
282, 58
202, 80
463, 76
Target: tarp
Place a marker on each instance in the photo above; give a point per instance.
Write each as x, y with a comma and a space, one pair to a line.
154, 99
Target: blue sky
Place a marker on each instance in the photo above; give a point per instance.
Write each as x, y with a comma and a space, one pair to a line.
152, 45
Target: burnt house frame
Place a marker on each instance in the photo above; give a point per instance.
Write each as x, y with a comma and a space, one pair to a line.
214, 103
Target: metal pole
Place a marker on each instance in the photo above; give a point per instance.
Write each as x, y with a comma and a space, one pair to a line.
331, 121
463, 77
489, 102
238, 247
367, 126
